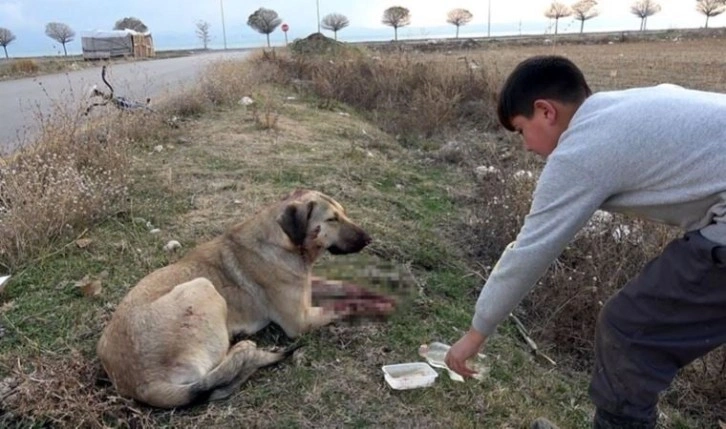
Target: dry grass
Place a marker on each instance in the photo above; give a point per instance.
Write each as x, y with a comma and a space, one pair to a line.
24, 67
440, 214
35, 66
72, 391
408, 95
691, 63
73, 175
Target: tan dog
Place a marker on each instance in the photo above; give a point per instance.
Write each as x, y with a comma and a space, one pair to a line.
168, 343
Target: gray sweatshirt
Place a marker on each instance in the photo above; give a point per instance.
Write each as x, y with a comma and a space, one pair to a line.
657, 153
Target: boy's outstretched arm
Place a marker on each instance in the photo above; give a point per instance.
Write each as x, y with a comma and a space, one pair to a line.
565, 198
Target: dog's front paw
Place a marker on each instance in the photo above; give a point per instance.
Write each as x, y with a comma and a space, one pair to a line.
245, 344
323, 316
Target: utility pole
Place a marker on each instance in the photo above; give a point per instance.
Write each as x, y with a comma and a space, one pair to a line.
224, 31
317, 3
489, 19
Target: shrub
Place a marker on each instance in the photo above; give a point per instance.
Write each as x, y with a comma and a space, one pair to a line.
24, 66
189, 103
72, 175
406, 94
225, 82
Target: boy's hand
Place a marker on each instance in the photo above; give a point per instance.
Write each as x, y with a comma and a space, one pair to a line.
467, 347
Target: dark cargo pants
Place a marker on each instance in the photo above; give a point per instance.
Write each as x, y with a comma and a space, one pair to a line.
672, 313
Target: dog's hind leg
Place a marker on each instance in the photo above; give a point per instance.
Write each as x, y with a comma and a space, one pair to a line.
238, 365
243, 359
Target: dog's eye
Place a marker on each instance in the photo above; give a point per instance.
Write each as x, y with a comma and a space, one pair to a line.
332, 219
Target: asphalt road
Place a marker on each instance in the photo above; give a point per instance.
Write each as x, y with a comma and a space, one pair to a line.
24, 101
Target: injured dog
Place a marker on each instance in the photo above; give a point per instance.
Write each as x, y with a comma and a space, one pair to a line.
168, 342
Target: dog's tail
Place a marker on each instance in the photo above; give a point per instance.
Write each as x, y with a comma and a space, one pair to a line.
242, 360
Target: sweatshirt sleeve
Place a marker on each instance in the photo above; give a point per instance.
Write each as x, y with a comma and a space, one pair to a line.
565, 198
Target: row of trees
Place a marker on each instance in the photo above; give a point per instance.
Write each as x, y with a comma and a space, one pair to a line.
584, 10
581, 10
64, 34
266, 21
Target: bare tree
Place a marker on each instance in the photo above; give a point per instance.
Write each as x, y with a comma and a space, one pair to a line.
203, 32
61, 33
335, 22
396, 17
556, 11
643, 9
458, 17
584, 10
264, 21
6, 38
131, 23
711, 8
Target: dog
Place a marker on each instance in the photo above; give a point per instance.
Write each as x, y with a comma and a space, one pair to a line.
168, 342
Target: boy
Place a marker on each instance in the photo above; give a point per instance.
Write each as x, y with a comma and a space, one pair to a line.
659, 153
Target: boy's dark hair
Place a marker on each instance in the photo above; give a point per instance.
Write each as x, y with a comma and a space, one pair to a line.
541, 77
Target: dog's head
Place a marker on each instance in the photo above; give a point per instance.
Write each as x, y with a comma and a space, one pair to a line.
315, 222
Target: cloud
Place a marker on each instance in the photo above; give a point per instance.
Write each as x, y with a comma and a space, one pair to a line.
12, 17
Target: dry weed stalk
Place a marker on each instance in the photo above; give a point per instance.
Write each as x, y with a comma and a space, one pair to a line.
75, 173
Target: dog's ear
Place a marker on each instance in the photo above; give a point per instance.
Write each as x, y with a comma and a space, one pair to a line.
294, 221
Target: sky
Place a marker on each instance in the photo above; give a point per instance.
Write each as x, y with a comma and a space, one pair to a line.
172, 22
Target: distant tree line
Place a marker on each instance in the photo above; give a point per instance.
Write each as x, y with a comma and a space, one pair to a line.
266, 21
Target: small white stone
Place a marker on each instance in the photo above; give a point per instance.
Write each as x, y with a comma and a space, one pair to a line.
172, 245
3, 280
522, 174
483, 171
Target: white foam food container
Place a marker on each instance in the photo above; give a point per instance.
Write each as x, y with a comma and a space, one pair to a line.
409, 375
